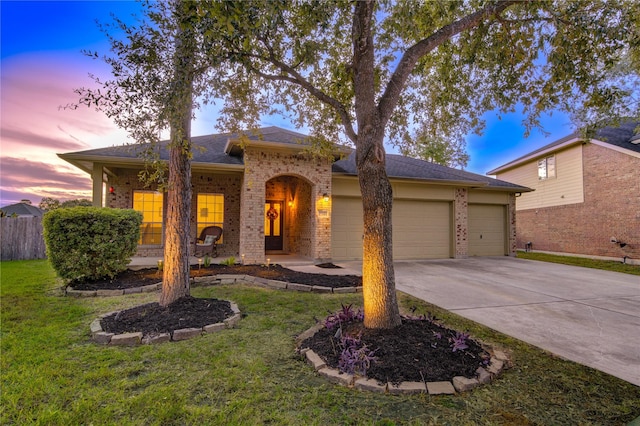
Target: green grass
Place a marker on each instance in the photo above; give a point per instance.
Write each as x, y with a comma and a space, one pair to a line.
51, 374
607, 265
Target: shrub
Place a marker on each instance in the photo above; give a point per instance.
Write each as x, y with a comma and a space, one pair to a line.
85, 243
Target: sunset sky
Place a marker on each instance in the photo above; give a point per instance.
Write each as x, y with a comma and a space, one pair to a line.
42, 62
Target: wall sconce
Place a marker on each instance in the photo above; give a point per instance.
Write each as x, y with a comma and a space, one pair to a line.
290, 203
325, 197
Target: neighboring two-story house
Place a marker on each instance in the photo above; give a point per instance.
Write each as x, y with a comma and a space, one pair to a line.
586, 197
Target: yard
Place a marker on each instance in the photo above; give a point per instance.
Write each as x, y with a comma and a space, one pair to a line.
52, 374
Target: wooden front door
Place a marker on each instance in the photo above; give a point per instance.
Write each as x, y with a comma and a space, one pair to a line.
273, 222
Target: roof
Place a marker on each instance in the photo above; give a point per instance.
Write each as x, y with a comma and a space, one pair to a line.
224, 150
622, 136
402, 167
22, 209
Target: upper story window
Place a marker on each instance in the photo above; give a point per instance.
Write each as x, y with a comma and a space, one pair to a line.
547, 168
149, 203
210, 211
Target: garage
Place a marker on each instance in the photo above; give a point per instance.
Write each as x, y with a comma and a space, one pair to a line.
422, 229
487, 236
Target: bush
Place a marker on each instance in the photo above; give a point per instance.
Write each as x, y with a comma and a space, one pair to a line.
85, 243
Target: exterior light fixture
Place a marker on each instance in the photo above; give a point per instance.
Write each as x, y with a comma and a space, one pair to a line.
199, 263
325, 197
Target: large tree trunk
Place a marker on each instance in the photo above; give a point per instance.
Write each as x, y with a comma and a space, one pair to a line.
378, 280
175, 282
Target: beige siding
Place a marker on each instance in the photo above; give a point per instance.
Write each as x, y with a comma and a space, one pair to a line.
565, 188
486, 197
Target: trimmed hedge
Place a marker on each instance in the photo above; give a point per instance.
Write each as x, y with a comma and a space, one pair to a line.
86, 243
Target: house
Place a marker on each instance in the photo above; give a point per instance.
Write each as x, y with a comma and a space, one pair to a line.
22, 210
270, 196
586, 197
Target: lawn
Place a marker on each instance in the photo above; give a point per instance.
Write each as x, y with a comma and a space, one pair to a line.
52, 374
607, 265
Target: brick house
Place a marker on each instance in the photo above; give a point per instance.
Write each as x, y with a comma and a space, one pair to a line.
270, 196
586, 197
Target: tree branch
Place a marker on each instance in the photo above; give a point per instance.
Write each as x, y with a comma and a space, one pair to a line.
410, 58
292, 76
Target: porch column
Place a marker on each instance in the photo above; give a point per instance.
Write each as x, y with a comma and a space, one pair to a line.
252, 196
97, 178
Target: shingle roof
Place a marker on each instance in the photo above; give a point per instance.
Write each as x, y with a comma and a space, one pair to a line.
22, 209
397, 166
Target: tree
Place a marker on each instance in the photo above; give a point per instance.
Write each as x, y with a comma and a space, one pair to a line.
49, 203
372, 71
155, 78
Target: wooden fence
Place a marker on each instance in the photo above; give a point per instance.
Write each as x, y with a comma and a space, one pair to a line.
21, 238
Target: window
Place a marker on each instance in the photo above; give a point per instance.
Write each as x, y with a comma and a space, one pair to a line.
547, 168
210, 211
149, 203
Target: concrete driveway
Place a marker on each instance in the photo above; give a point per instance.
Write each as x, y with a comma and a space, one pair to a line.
586, 315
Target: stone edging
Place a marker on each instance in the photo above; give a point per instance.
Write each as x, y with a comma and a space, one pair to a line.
217, 280
131, 339
499, 362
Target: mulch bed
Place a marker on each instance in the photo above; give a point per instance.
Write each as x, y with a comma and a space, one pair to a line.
186, 312
130, 278
419, 350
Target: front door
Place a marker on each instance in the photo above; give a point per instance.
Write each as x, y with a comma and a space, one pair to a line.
273, 225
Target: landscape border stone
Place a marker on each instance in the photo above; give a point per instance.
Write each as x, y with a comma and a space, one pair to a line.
99, 336
220, 279
498, 363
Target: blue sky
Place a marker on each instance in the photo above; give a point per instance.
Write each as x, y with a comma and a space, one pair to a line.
41, 64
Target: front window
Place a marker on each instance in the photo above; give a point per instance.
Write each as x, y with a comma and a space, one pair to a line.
149, 203
210, 211
547, 168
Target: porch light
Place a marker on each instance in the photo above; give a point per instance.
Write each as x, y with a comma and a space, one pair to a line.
325, 197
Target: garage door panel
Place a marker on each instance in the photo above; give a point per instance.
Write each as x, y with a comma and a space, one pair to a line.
421, 229
487, 233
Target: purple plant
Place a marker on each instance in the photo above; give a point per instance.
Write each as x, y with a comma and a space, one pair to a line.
459, 341
344, 315
355, 358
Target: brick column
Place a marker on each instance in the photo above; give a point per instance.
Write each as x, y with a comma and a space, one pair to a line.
252, 195
511, 220
461, 222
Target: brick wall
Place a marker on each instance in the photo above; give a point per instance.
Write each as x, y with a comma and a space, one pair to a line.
127, 181
611, 208
261, 166
461, 214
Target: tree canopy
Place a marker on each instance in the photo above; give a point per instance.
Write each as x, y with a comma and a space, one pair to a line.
405, 72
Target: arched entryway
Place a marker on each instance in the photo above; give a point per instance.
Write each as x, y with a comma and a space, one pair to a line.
289, 221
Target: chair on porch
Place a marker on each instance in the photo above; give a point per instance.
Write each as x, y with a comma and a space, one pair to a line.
207, 242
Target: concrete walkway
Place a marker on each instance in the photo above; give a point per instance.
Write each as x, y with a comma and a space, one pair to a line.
586, 315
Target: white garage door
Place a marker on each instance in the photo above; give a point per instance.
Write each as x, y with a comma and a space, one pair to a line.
487, 224
421, 229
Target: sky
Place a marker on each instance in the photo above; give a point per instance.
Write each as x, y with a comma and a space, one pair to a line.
41, 44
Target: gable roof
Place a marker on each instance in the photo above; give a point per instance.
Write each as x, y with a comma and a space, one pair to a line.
224, 151
22, 209
621, 137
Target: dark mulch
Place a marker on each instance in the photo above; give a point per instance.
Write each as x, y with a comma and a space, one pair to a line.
129, 278
186, 312
418, 350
